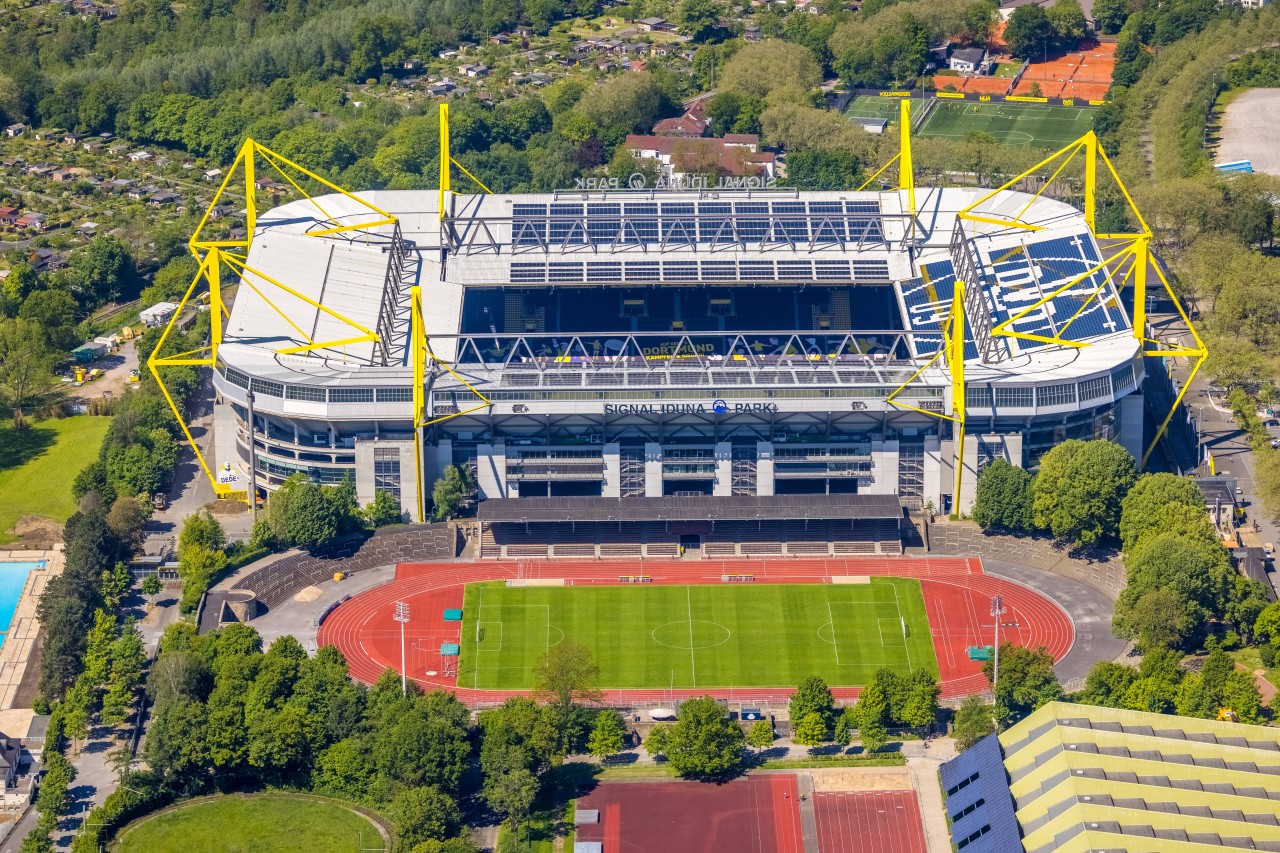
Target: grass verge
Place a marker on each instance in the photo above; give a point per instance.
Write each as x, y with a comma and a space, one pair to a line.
38, 465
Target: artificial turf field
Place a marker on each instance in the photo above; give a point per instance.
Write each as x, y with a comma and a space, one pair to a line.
1014, 124
1039, 125
716, 636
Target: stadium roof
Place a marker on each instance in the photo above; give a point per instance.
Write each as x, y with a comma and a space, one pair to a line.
726, 508
1084, 778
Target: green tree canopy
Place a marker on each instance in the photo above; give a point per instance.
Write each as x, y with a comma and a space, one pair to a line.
1004, 498
1081, 484
606, 734
1161, 503
974, 720
810, 730
813, 695
567, 672
764, 67
1026, 681
704, 743
1029, 32
760, 735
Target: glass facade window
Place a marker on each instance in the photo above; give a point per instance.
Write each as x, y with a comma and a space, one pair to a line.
350, 395
1014, 398
395, 395
386, 470
978, 396
1056, 395
272, 389
1093, 389
304, 392
1122, 378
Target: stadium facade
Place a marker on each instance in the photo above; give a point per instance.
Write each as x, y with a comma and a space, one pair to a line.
639, 343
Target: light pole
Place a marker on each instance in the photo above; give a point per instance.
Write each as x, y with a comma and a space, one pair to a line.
253, 467
997, 610
402, 616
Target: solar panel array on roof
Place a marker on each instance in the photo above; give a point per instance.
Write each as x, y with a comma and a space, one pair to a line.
607, 223
927, 301
978, 800
1028, 273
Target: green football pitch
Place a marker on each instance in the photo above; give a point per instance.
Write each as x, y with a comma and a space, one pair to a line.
722, 636
1014, 124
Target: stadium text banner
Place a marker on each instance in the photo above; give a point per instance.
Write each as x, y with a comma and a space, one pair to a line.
983, 99
718, 407
638, 181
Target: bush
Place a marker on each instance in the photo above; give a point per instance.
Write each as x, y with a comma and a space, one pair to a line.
1267, 651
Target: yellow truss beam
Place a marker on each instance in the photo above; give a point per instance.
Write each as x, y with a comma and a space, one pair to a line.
212, 254
420, 352
446, 161
952, 350
1135, 252
903, 159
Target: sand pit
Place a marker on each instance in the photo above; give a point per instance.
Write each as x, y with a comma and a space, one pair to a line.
861, 779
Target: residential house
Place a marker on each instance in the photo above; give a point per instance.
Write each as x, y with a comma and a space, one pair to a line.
8, 215
737, 155
751, 33
687, 125
88, 229
413, 63
264, 183
62, 176
42, 260
92, 145
164, 198
500, 38
212, 174
15, 130
139, 193
656, 25
117, 149
119, 185
140, 156
970, 60
71, 139
441, 89
46, 134
40, 170
478, 70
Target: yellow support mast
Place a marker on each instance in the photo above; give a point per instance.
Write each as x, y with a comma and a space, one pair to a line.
212, 254
906, 166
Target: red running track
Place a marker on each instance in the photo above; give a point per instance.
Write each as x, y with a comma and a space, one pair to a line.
957, 596
869, 822
758, 814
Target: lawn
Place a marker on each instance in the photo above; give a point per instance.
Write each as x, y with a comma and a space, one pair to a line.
1015, 124
870, 106
38, 465
722, 636
263, 823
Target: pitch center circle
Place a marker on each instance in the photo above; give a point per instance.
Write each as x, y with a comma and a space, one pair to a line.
688, 634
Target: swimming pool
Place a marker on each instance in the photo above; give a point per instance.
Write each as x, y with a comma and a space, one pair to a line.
13, 578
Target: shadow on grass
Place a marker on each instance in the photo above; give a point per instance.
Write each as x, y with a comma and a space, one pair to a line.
20, 446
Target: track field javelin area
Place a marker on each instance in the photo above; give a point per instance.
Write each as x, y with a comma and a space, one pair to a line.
955, 592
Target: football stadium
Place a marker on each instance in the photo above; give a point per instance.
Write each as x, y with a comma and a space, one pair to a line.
706, 371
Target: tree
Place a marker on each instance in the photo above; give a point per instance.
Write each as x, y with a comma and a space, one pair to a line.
1081, 484
1107, 684
704, 743
449, 493
1199, 572
606, 734
658, 740
974, 721
1110, 15
105, 268
761, 68
1158, 503
26, 366
1004, 498
812, 696
1159, 619
760, 735
511, 794
920, 700
424, 814
1067, 19
384, 509
1028, 32
810, 730
127, 519
151, 585
309, 518
699, 19
567, 672
1027, 681
869, 715
201, 530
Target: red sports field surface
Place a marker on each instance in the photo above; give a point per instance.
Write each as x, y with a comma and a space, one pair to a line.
758, 814
957, 597
869, 822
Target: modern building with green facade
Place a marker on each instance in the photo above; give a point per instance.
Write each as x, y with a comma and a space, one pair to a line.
1101, 780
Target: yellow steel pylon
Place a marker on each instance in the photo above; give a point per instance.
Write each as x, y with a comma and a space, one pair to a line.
213, 254
1131, 248
952, 350
906, 168
446, 160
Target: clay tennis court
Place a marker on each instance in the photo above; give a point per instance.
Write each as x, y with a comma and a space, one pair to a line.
1084, 74
957, 595
868, 822
758, 814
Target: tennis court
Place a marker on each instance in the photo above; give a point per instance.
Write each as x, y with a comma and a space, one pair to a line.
1014, 124
677, 636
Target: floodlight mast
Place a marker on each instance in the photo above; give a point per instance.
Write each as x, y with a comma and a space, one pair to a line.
402, 616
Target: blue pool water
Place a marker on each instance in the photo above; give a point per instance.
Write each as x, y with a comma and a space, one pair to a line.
13, 577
